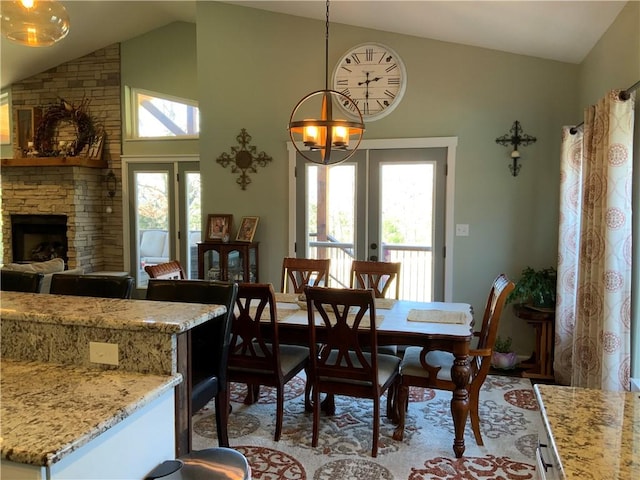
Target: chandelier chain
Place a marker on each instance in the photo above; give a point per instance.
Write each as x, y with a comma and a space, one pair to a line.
326, 50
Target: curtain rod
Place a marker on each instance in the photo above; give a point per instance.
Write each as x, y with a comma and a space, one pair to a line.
623, 95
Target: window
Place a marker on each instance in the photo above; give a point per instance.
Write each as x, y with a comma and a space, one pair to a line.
5, 123
154, 115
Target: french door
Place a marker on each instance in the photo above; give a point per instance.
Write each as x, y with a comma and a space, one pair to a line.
164, 216
383, 204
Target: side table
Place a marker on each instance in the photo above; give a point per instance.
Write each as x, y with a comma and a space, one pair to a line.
541, 363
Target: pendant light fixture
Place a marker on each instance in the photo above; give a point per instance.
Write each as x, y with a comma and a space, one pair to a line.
326, 139
35, 23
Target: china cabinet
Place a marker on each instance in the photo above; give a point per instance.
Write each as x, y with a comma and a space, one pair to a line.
228, 261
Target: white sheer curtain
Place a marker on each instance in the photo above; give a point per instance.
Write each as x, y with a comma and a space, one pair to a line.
593, 310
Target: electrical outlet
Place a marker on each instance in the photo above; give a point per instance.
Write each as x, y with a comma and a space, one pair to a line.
106, 353
462, 230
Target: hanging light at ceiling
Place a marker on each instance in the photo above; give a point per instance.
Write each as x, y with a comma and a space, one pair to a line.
35, 23
326, 139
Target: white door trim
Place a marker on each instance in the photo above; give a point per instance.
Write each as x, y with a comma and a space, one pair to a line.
450, 143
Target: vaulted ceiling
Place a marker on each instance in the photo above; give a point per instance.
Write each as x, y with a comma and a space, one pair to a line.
559, 30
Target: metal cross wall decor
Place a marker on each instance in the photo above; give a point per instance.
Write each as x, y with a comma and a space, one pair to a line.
515, 137
244, 159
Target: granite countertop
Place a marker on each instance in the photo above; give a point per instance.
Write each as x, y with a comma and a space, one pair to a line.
595, 433
167, 317
48, 411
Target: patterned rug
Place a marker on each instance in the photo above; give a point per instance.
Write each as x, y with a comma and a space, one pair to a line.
509, 421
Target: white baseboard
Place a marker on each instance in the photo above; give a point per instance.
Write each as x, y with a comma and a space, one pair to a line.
635, 384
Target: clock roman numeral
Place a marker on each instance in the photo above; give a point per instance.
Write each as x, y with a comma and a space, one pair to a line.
342, 82
346, 69
390, 68
389, 94
355, 58
369, 54
393, 81
346, 92
383, 106
382, 57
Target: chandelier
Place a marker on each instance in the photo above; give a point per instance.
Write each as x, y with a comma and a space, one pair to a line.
326, 140
35, 23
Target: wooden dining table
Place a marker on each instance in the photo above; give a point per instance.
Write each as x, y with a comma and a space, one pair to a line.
437, 332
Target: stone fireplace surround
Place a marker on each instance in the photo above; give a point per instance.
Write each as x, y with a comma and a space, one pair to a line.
72, 191
94, 237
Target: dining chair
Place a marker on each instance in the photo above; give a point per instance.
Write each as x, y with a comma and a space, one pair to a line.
169, 270
299, 272
343, 364
256, 356
92, 285
376, 275
209, 342
432, 369
16, 281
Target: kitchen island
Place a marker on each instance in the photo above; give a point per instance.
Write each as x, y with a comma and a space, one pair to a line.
591, 434
143, 337
64, 421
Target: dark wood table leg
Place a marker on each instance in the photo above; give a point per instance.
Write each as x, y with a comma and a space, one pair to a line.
460, 373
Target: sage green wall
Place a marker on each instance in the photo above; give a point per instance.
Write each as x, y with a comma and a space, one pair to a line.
615, 63
162, 61
253, 66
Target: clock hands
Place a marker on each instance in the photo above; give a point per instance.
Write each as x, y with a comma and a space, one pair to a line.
366, 93
367, 81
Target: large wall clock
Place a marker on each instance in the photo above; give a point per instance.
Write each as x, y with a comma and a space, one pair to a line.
373, 76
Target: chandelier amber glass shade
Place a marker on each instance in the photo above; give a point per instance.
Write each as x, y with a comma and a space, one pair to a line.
35, 23
326, 139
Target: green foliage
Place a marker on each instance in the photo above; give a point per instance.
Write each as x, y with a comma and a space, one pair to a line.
536, 287
502, 345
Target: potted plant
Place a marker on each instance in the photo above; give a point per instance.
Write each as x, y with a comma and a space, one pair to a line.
503, 357
536, 288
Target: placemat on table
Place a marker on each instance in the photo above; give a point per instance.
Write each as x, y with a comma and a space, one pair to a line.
287, 297
436, 316
385, 303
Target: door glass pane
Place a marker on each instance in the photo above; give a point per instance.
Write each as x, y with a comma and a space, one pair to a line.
194, 215
407, 227
152, 221
331, 194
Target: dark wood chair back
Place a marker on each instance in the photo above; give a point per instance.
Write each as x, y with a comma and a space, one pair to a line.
92, 285
299, 272
256, 356
209, 341
376, 275
344, 364
167, 271
432, 369
16, 281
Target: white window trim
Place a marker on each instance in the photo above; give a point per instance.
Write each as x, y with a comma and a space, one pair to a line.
131, 114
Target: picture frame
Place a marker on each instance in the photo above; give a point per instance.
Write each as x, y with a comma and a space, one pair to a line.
218, 226
247, 229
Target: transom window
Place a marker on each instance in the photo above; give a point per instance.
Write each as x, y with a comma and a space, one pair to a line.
5, 124
155, 115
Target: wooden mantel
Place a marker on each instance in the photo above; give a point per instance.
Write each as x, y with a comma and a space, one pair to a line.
54, 162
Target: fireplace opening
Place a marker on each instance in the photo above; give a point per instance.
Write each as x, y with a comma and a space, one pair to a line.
38, 238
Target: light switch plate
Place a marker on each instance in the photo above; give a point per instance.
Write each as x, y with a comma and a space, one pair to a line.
106, 353
462, 230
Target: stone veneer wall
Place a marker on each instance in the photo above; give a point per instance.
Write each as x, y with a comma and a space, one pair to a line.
94, 236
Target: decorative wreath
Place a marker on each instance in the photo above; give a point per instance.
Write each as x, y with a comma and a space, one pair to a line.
44, 141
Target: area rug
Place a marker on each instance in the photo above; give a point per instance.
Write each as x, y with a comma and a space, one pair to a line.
509, 417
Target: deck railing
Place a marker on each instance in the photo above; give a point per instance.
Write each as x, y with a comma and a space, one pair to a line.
416, 260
